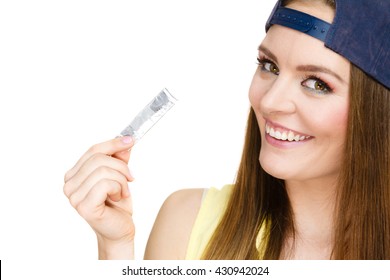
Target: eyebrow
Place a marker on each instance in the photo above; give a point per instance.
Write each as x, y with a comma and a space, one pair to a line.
304, 68
321, 69
267, 52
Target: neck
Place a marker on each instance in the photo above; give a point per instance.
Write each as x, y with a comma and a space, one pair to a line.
313, 205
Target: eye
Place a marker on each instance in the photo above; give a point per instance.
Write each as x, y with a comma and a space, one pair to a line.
268, 66
316, 84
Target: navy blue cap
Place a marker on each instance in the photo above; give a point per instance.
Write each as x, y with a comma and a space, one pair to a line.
360, 32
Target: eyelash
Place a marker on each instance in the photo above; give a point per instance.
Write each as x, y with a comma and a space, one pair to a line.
327, 88
261, 61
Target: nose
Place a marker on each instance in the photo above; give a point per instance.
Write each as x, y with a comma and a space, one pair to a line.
278, 98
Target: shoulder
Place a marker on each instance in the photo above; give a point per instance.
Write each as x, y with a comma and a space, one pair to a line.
172, 228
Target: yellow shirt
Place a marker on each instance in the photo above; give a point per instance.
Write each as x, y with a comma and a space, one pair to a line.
210, 213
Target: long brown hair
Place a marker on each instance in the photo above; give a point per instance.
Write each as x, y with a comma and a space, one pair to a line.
362, 227
362, 218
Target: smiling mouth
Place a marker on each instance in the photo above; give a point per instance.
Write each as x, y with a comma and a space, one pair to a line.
285, 134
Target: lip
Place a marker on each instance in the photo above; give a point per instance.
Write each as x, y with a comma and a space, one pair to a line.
282, 143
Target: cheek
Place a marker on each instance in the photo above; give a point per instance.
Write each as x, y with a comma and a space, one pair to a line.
255, 92
339, 128
329, 124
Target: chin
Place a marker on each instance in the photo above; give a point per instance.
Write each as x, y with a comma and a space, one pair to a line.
274, 169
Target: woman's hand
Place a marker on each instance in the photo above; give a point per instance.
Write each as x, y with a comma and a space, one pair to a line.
97, 187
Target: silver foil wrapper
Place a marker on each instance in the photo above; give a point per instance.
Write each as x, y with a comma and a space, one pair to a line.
150, 115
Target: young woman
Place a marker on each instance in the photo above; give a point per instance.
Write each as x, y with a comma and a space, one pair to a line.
314, 179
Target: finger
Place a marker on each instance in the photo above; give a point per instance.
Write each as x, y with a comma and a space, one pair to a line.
123, 155
94, 163
110, 147
94, 204
100, 174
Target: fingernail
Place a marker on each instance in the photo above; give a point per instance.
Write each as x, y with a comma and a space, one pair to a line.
127, 139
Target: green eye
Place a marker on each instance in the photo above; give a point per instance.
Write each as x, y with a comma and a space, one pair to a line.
268, 66
317, 85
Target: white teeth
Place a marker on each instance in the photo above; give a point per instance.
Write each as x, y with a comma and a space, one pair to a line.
272, 132
290, 136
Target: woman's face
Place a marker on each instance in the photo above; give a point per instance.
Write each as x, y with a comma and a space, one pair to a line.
300, 96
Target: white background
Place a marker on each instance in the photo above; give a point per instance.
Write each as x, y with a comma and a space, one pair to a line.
74, 73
